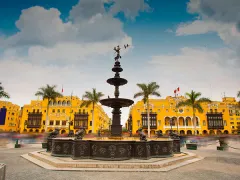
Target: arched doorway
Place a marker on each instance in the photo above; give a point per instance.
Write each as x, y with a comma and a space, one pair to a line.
211, 132
197, 132
30, 130
182, 132
145, 131
160, 131
63, 131
90, 131
167, 121
219, 132
226, 132
205, 132
25, 130
188, 121
181, 121
152, 132
43, 130
50, 130
37, 130
189, 132
167, 132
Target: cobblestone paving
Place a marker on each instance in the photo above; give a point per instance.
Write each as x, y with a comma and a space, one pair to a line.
217, 165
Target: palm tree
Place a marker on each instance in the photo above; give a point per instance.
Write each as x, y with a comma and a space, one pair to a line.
50, 94
146, 91
238, 95
3, 94
91, 98
194, 102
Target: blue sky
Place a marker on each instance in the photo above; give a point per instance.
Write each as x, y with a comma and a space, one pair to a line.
175, 43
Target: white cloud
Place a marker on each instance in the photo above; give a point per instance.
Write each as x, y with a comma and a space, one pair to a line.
220, 16
130, 9
197, 68
76, 53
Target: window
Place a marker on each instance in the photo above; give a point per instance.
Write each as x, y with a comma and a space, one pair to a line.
90, 123
58, 110
64, 123
63, 111
223, 110
215, 110
84, 113
43, 122
238, 123
51, 123
138, 123
53, 110
45, 110
33, 110
231, 122
12, 113
150, 110
57, 123
225, 123
204, 123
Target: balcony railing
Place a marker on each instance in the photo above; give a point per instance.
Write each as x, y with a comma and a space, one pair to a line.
179, 127
79, 127
34, 126
151, 127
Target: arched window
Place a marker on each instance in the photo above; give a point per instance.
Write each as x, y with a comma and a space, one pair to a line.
64, 103
68, 103
59, 103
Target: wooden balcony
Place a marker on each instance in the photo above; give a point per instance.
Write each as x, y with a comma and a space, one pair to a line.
79, 127
34, 126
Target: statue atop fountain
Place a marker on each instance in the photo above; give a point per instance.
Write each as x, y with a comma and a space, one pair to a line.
117, 103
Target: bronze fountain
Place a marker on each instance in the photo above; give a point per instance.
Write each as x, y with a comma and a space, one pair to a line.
115, 147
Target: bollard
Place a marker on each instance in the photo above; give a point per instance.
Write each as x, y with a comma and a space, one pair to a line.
2, 171
17, 145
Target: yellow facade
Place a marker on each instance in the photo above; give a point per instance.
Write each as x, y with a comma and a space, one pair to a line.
61, 112
9, 121
164, 110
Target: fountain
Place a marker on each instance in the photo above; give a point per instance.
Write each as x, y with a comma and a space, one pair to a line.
115, 147
116, 103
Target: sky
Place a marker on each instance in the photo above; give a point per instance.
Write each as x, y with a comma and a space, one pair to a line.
191, 44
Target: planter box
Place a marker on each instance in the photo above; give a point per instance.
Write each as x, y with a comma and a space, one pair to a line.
191, 146
17, 145
2, 171
222, 148
44, 145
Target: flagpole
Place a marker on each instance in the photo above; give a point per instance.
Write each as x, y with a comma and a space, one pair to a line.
69, 123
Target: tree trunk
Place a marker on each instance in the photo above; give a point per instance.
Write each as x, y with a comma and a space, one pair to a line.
194, 122
148, 118
46, 122
93, 119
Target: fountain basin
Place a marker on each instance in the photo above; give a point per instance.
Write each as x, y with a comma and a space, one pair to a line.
110, 150
117, 81
116, 102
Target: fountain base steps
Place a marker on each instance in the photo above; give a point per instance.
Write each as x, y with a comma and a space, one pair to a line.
45, 160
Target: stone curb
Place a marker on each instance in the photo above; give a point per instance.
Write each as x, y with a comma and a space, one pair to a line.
168, 164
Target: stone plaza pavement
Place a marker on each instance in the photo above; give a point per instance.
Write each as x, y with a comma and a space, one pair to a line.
218, 165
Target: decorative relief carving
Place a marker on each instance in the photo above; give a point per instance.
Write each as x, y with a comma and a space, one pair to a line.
58, 148
82, 148
102, 150
140, 150
122, 150
94, 148
129, 148
112, 150
164, 149
65, 148
156, 148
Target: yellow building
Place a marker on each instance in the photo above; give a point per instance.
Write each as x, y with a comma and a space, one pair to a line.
62, 112
218, 117
9, 116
